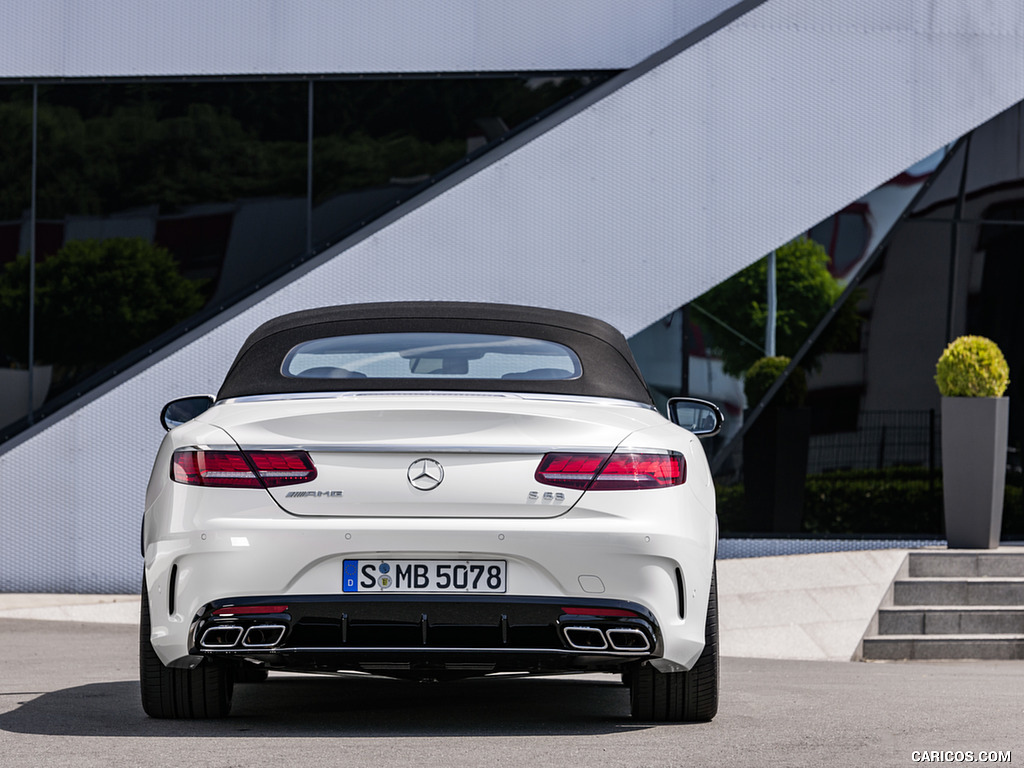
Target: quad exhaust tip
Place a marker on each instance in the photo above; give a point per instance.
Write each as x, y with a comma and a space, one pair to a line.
586, 638
628, 639
618, 639
231, 636
221, 637
263, 635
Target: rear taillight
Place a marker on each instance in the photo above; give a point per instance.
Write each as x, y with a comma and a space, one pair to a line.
283, 467
238, 469
641, 470
569, 470
620, 471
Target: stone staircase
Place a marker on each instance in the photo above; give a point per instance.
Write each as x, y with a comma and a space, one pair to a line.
952, 604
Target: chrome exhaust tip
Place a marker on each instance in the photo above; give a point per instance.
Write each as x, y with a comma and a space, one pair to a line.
263, 635
585, 638
628, 639
221, 637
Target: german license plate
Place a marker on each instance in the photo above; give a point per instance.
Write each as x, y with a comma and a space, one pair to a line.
424, 576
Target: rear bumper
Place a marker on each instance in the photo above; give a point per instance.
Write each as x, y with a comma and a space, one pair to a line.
656, 558
427, 636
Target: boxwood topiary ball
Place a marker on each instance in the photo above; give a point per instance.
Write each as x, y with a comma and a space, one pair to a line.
972, 366
762, 374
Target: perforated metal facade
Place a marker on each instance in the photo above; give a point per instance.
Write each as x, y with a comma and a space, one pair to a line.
625, 205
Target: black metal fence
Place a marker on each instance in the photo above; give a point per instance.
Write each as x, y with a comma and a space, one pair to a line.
882, 439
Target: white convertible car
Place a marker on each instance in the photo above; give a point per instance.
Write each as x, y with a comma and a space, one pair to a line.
431, 491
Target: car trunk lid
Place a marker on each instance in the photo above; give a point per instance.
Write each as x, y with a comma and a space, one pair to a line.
429, 454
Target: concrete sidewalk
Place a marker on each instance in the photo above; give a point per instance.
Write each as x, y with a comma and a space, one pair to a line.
101, 609
813, 607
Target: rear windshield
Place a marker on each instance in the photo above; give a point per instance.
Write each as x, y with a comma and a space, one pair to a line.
431, 355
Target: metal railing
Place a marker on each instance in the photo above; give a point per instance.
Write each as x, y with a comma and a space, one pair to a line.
882, 439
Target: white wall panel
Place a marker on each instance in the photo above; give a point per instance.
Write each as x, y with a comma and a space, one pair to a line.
55, 38
626, 209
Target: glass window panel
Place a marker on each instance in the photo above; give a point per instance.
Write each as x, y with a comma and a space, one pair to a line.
853, 234
993, 310
836, 430
378, 142
15, 202
939, 200
155, 199
870, 447
204, 185
862, 455
431, 355
995, 164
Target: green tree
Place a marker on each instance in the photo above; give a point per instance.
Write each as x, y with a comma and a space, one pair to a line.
95, 301
806, 290
16, 157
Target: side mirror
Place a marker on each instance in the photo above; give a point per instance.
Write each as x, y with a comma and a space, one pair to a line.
184, 409
702, 418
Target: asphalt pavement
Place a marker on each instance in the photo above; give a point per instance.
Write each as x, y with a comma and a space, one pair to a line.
69, 697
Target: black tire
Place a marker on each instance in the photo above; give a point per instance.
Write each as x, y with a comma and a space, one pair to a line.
203, 692
681, 696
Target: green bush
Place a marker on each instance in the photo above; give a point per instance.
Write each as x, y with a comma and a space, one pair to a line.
762, 374
897, 500
731, 507
95, 301
972, 366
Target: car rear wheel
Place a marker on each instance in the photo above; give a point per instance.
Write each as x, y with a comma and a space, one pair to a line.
680, 696
202, 692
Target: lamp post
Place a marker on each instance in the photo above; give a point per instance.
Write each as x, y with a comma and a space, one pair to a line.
769, 326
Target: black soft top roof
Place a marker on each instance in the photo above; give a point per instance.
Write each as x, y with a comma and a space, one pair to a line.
609, 369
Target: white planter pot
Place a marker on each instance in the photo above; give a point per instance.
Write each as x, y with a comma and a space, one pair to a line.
974, 434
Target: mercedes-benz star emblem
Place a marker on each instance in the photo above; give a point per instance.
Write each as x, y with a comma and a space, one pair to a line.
425, 474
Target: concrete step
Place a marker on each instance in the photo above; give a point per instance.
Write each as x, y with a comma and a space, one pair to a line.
976, 591
966, 563
900, 647
951, 620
